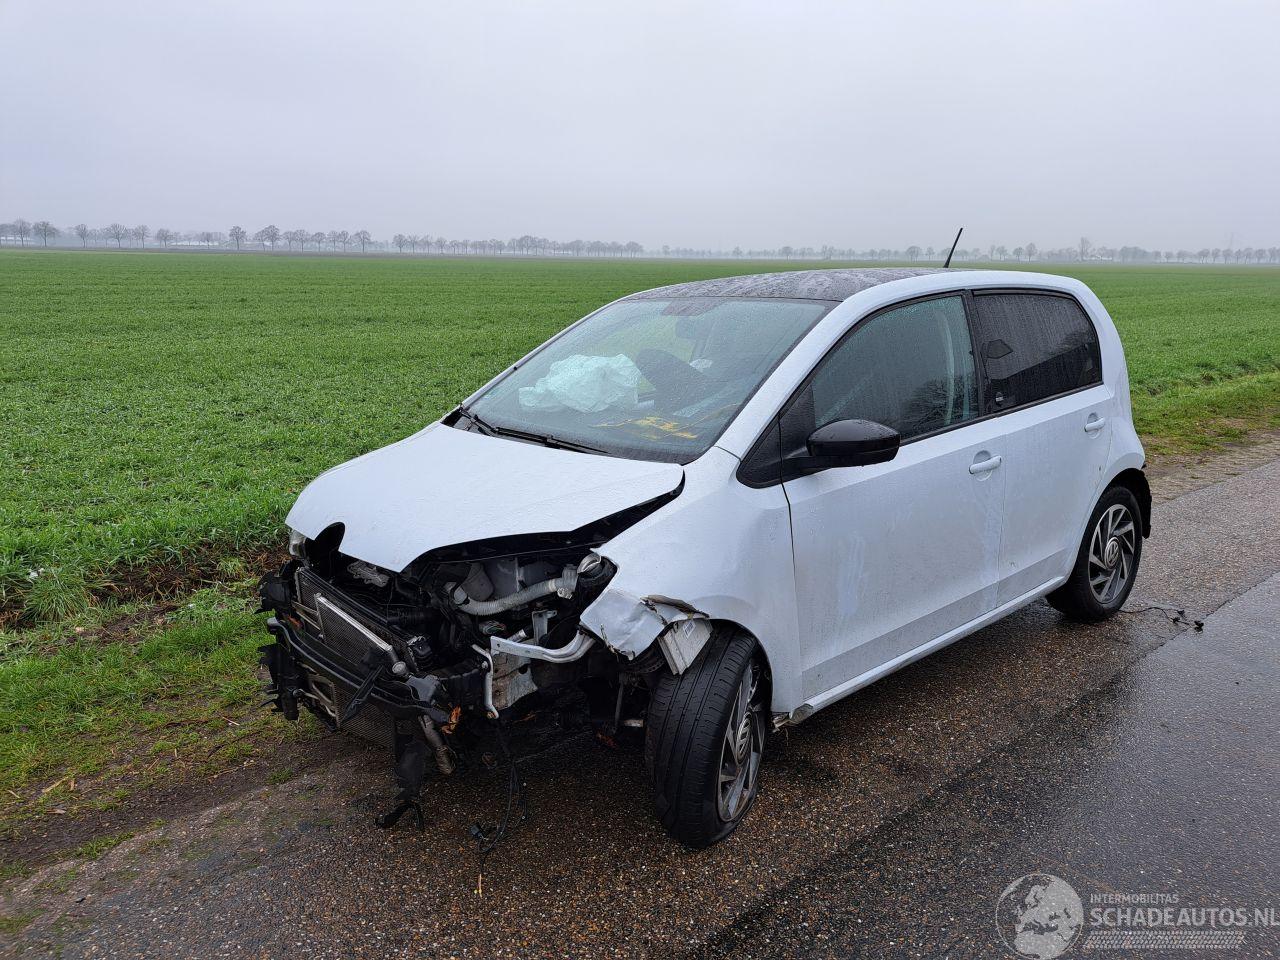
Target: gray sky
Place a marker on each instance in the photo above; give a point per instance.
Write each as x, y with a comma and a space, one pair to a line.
698, 124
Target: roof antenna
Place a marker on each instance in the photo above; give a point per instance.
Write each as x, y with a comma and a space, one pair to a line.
952, 251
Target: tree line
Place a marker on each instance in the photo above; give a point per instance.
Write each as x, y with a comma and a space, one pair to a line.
527, 245
121, 235
22, 232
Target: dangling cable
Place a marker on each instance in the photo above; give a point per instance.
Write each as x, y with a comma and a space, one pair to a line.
489, 839
1172, 615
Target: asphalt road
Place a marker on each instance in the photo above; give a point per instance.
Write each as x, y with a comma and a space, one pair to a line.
1134, 757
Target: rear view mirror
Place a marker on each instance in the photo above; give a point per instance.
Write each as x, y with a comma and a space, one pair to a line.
847, 443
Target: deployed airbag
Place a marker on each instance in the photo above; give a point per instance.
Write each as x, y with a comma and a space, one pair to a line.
586, 384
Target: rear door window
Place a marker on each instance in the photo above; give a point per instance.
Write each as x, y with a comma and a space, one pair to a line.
1035, 346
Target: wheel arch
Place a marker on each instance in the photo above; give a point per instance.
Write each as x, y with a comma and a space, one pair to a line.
714, 626
1135, 481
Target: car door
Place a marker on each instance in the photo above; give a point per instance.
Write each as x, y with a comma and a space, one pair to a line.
891, 556
1044, 379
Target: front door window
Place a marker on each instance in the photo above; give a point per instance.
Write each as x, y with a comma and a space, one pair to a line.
910, 368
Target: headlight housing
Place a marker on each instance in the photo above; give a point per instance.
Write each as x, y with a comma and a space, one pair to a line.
297, 543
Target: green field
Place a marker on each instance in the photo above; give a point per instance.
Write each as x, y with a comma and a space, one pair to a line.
161, 406
162, 411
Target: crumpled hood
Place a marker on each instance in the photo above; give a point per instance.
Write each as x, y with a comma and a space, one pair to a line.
444, 486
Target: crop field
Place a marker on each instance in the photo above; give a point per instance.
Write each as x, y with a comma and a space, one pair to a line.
162, 411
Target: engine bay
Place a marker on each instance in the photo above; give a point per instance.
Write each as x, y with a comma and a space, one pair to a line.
443, 655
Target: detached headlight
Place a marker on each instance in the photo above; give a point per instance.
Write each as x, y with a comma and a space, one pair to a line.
296, 542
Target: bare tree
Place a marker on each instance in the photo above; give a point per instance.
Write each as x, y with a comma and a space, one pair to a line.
237, 235
117, 232
45, 230
1032, 250
21, 230
140, 234
1085, 246
342, 237
363, 238
82, 231
268, 235
318, 239
400, 240
164, 236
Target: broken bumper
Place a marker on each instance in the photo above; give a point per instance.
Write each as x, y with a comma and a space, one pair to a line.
393, 697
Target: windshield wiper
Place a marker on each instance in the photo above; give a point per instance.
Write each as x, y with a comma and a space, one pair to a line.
562, 444
484, 425
545, 439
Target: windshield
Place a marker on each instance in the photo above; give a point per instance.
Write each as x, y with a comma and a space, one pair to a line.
648, 379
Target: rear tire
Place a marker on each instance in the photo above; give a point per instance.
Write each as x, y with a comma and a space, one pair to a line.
704, 738
1107, 561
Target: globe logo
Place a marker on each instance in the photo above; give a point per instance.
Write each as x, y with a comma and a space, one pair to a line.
1039, 916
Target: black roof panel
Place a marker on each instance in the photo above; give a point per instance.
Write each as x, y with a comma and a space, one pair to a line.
791, 284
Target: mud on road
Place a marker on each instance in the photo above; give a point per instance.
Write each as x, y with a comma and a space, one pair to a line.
297, 869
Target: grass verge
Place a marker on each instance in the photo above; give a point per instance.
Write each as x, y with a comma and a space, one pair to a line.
91, 713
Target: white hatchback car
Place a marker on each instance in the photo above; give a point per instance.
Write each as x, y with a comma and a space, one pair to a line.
707, 510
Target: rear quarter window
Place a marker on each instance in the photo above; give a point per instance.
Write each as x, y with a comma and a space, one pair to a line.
1035, 346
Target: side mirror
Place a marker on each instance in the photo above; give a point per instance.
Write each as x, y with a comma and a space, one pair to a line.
847, 443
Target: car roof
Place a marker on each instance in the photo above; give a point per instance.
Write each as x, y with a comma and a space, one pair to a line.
791, 284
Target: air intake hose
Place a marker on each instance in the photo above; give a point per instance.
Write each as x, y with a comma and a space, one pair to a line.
564, 585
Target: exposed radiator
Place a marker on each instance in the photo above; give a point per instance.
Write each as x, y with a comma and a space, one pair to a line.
342, 632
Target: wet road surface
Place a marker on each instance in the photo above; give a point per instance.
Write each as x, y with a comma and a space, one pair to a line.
1130, 757
1164, 782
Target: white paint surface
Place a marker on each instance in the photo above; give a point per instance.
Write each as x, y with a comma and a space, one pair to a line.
443, 486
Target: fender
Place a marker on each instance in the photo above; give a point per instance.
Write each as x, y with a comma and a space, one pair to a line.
720, 552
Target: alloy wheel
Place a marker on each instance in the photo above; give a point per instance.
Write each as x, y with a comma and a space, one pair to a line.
741, 749
1111, 551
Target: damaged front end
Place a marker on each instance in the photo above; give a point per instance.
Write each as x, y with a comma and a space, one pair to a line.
466, 638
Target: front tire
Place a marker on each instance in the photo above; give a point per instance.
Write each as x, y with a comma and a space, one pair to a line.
1107, 562
704, 739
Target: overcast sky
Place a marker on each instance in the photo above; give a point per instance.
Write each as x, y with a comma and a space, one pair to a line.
686, 123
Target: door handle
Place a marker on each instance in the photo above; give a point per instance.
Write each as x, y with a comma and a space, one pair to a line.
1094, 423
985, 466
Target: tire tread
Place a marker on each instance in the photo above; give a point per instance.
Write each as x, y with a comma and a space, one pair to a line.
683, 732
